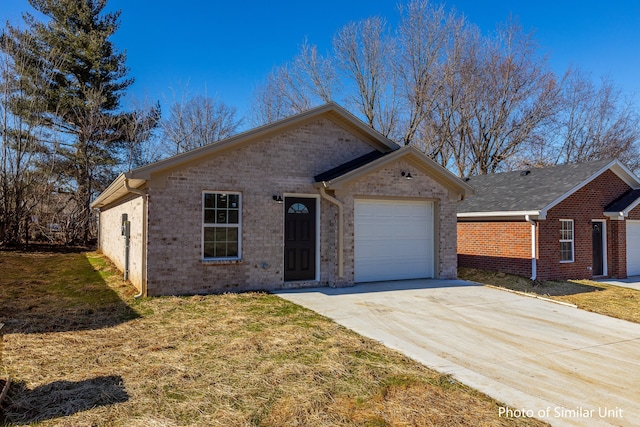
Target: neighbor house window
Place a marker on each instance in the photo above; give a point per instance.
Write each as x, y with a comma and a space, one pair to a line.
566, 240
221, 225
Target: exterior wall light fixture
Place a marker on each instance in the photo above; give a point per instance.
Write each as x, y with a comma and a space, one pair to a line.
407, 175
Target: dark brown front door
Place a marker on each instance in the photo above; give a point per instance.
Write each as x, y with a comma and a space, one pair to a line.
299, 239
596, 235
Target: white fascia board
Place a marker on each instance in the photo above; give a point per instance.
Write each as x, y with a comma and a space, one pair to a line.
631, 207
115, 185
625, 174
615, 216
499, 214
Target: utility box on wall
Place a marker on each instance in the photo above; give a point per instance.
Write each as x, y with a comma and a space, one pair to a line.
125, 225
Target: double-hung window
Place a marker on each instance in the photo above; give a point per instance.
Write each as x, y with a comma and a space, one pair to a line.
221, 229
566, 240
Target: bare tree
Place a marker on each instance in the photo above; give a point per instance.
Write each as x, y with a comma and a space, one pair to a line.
362, 51
425, 37
476, 104
595, 123
197, 121
504, 94
317, 73
140, 146
24, 178
448, 122
307, 81
268, 103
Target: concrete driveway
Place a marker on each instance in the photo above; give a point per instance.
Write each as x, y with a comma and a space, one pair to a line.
557, 363
629, 282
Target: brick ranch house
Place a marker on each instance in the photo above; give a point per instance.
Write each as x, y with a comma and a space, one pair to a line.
316, 199
563, 222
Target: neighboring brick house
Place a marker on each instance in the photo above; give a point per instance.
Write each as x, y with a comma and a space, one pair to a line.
562, 222
316, 199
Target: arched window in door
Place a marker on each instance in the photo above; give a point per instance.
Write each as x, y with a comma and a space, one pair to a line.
298, 208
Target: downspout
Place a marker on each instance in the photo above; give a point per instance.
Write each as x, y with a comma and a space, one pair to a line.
145, 208
340, 206
534, 273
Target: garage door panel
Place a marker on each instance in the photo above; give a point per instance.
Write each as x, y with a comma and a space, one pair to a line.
411, 230
393, 240
411, 247
377, 271
633, 248
415, 249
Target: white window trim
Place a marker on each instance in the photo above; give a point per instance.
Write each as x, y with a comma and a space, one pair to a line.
573, 238
203, 225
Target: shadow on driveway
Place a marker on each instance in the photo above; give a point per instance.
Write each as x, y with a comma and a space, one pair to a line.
523, 284
386, 286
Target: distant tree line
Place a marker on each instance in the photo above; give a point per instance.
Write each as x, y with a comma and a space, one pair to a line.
475, 103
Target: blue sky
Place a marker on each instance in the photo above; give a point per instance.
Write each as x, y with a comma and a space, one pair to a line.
226, 48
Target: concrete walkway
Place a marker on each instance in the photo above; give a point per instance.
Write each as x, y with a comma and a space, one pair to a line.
557, 363
629, 282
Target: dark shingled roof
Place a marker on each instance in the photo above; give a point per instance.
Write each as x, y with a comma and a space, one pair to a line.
623, 202
522, 191
349, 166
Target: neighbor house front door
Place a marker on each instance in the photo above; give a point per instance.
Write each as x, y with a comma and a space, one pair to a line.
299, 239
598, 248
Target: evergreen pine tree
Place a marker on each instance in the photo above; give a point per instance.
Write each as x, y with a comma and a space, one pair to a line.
80, 79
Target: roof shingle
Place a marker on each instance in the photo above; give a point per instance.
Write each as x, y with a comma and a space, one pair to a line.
349, 166
517, 191
624, 202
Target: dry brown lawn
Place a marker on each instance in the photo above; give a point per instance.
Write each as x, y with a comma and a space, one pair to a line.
82, 352
614, 301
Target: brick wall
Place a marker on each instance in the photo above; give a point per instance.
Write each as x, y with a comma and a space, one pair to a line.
617, 237
112, 243
282, 164
497, 246
584, 206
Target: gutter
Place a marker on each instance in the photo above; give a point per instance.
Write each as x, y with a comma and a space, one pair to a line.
500, 214
534, 273
338, 203
145, 209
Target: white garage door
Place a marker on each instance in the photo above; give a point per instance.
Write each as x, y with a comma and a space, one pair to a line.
633, 248
393, 240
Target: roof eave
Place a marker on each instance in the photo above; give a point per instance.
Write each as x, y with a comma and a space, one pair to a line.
625, 174
108, 192
616, 216
624, 213
451, 180
117, 190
